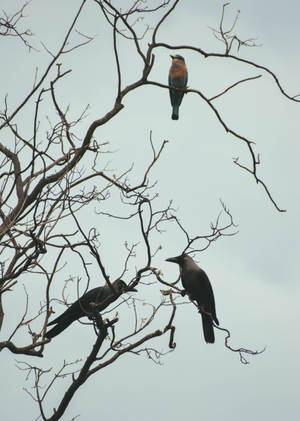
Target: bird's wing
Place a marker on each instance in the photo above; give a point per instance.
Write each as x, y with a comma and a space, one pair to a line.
95, 295
72, 312
207, 295
186, 79
77, 309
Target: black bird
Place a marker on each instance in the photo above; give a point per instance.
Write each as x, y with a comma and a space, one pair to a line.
101, 296
197, 285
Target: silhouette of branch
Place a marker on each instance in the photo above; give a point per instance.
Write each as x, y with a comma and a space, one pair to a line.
206, 54
232, 86
227, 37
9, 26
240, 351
43, 77
255, 159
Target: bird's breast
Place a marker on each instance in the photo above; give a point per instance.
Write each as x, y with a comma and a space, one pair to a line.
178, 72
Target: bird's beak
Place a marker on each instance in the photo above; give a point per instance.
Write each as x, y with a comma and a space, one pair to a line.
172, 259
172, 56
131, 289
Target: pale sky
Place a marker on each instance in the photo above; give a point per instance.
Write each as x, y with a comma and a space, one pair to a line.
255, 274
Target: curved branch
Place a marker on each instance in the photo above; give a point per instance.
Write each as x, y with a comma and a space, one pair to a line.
255, 162
55, 57
227, 56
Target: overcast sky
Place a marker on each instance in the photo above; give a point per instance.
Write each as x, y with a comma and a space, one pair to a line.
255, 274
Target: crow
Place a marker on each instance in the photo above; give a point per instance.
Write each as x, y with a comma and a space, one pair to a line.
101, 296
197, 285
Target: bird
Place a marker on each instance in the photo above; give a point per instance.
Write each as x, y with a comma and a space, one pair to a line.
178, 77
101, 296
197, 285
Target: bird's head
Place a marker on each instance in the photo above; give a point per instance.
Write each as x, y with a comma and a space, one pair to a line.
177, 57
180, 260
121, 287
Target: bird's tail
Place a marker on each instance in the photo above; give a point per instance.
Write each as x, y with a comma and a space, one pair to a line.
208, 329
56, 330
175, 113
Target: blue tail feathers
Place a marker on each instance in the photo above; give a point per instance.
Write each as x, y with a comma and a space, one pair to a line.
175, 112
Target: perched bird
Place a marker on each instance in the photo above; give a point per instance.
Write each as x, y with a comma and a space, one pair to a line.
101, 296
197, 285
178, 77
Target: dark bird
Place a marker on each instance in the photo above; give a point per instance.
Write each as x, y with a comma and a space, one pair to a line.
178, 77
197, 285
101, 296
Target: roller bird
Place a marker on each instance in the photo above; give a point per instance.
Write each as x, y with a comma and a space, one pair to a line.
178, 77
101, 296
198, 287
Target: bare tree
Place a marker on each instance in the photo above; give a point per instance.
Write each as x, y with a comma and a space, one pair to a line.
45, 192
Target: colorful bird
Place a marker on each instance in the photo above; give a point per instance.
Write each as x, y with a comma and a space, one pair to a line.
178, 77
